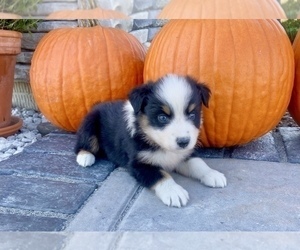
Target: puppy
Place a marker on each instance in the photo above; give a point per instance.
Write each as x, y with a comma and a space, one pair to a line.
152, 134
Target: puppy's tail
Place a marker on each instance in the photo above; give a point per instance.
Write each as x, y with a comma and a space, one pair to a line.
88, 134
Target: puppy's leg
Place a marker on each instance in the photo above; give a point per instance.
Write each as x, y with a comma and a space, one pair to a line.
196, 168
87, 145
166, 189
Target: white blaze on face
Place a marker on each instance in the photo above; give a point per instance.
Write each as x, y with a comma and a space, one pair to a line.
175, 92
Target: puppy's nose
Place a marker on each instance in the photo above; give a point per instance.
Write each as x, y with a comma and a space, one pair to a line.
183, 141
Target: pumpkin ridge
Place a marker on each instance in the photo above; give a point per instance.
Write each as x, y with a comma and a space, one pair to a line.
253, 86
270, 77
83, 100
119, 57
176, 51
215, 84
233, 79
107, 59
202, 133
65, 65
46, 85
50, 107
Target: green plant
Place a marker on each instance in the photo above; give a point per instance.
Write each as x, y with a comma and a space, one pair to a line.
291, 27
20, 7
291, 8
21, 25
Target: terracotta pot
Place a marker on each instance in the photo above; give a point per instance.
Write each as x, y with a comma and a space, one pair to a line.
10, 47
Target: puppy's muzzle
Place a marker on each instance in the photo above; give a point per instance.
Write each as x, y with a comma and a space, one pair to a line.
182, 142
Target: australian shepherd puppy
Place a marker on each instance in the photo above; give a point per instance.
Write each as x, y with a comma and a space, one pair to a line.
152, 134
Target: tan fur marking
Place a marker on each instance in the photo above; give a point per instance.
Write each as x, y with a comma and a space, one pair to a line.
94, 144
144, 123
166, 109
192, 107
143, 120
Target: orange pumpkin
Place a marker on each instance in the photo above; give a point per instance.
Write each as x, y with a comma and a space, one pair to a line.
248, 65
294, 106
222, 9
96, 13
73, 68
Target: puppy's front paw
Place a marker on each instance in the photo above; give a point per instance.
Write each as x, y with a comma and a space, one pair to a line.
214, 178
85, 159
171, 193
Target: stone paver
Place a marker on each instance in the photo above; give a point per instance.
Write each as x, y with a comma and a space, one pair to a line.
209, 240
32, 241
262, 149
54, 144
15, 222
42, 194
291, 139
91, 241
105, 207
260, 196
150, 240
43, 188
56, 166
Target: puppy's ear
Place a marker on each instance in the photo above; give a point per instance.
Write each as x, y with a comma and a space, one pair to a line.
204, 93
203, 90
138, 96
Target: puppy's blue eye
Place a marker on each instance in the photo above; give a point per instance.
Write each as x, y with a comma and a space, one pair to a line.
191, 116
163, 119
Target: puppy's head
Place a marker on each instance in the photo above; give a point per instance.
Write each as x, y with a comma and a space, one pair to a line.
168, 112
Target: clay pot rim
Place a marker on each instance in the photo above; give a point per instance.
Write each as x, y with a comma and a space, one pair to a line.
15, 124
5, 15
10, 33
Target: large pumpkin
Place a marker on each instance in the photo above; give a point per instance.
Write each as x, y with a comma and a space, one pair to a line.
294, 106
73, 68
222, 9
248, 65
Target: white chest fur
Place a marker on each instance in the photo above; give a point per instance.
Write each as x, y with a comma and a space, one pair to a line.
168, 160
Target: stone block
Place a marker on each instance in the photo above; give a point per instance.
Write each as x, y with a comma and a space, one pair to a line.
210, 152
152, 33
16, 222
260, 196
140, 5
44, 195
32, 240
142, 23
140, 15
159, 4
141, 35
57, 167
262, 149
91, 241
104, 209
62, 144
291, 140
209, 240
153, 14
